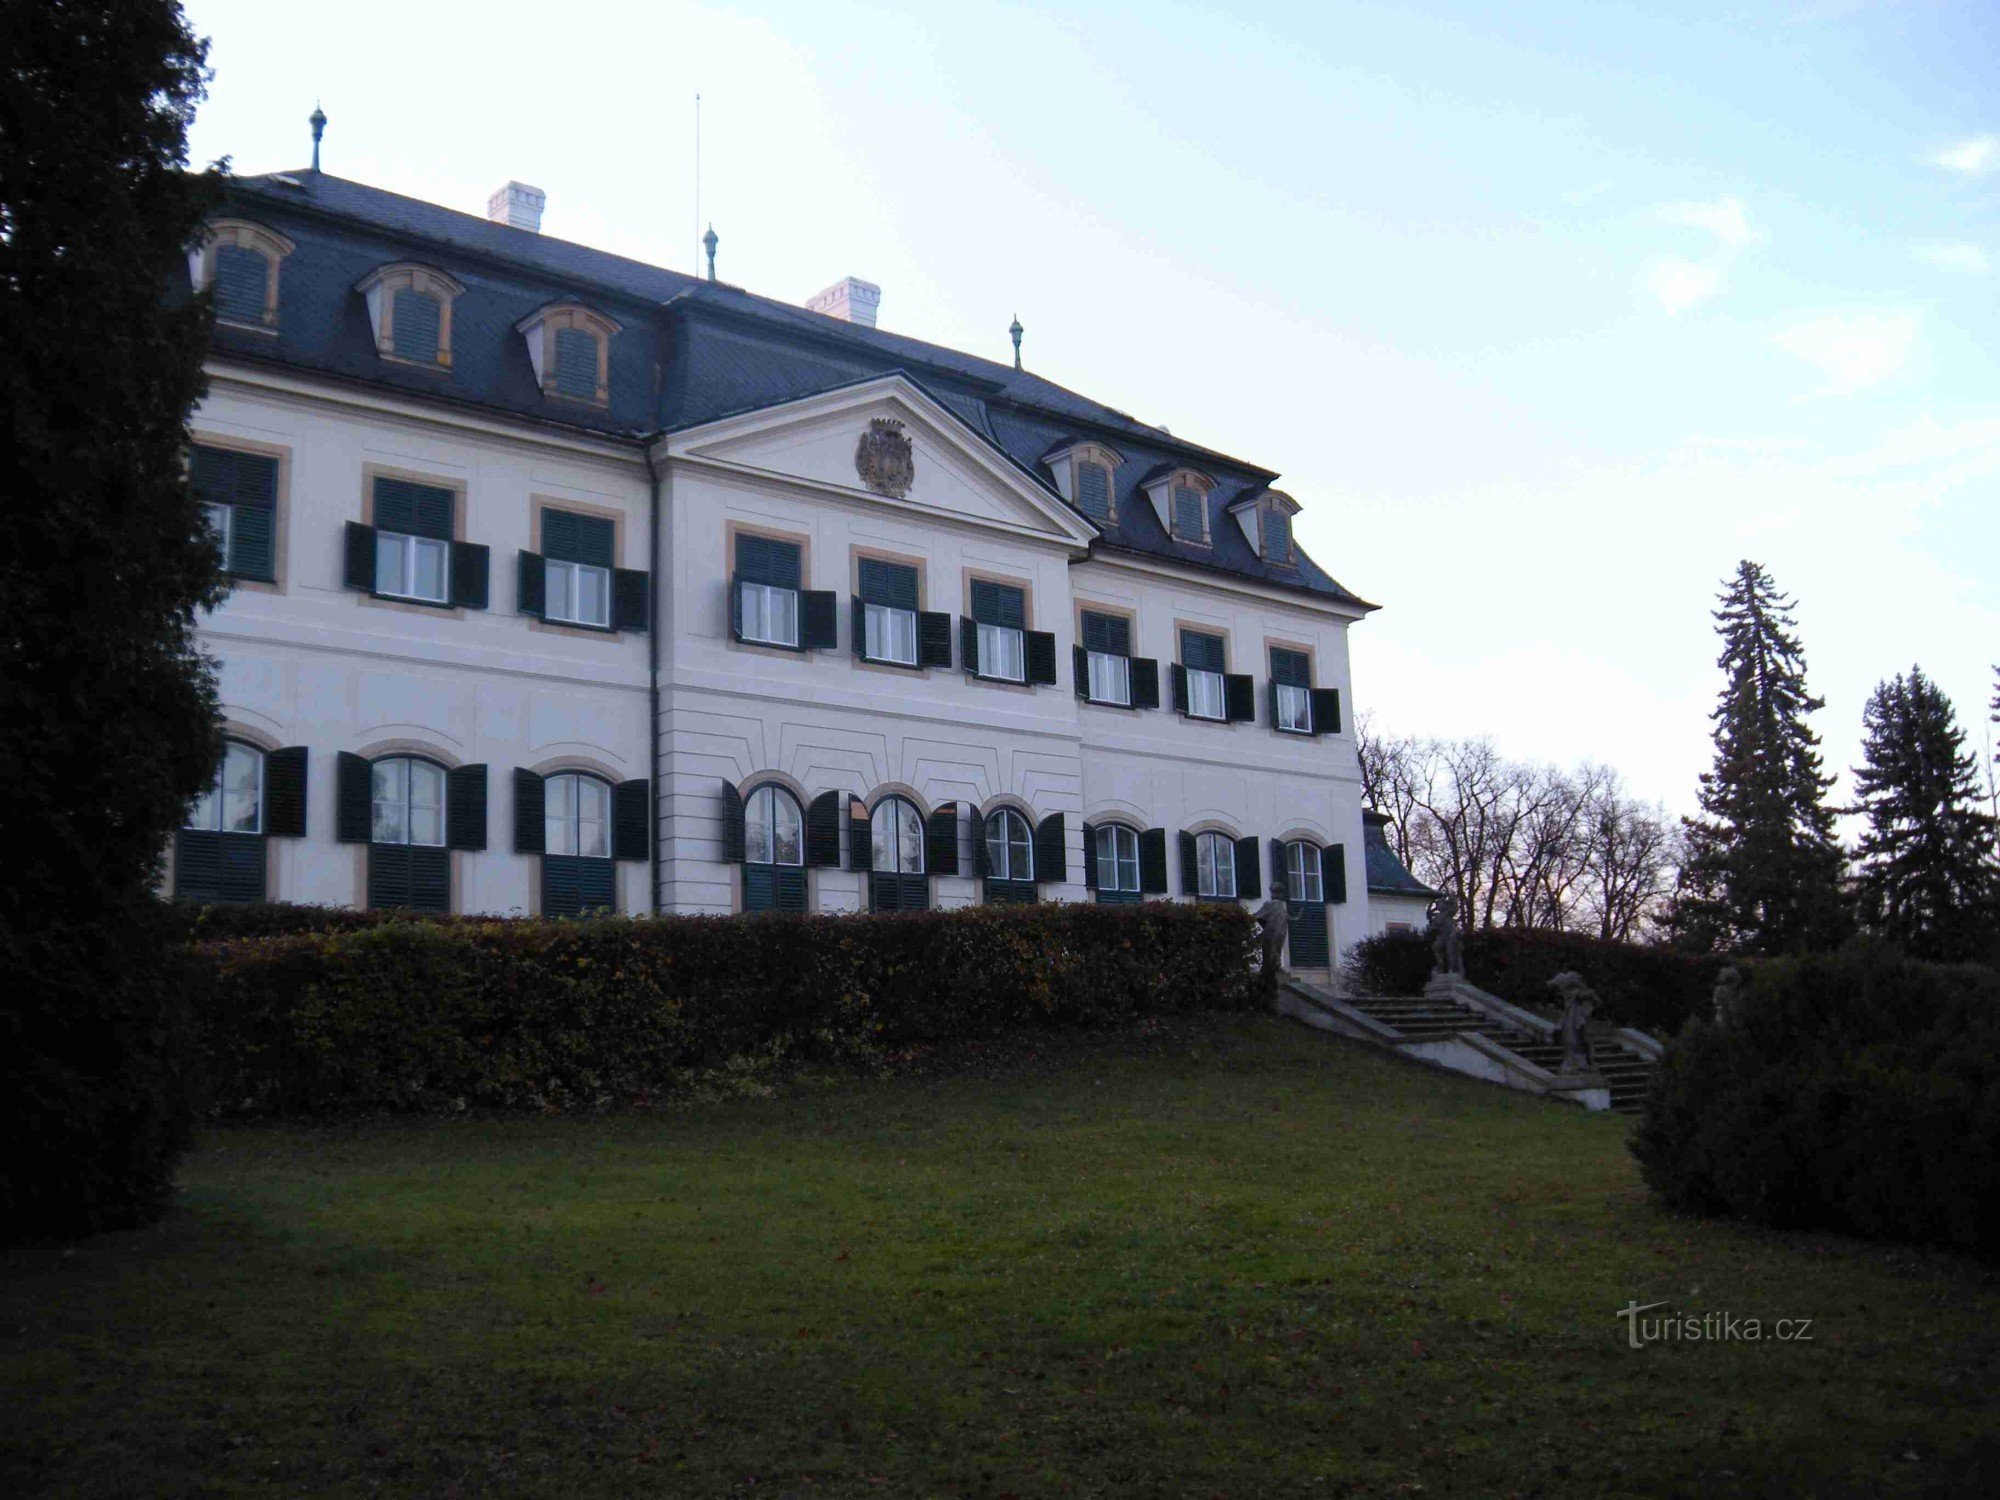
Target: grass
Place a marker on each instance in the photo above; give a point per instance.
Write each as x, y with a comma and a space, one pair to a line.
1237, 1259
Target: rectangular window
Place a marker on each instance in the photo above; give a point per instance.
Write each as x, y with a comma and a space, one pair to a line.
1107, 644
1203, 657
1110, 679
579, 552
767, 574
239, 497
1302, 873
218, 522
889, 611
411, 567
770, 614
1291, 690
1000, 611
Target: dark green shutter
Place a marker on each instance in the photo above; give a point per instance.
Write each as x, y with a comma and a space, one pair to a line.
469, 567
242, 283
1051, 850
893, 585
532, 586
1146, 683
253, 543
530, 812
248, 484
933, 639
569, 537
285, 792
631, 599
198, 865
760, 887
1326, 710
1249, 875
1190, 866
819, 621
1089, 857
576, 363
1333, 873
1190, 508
763, 559
415, 319
1079, 667
1275, 530
860, 840
1202, 652
857, 626
1308, 936
430, 879
1239, 698
791, 882
982, 856
632, 819
734, 832
354, 799
1153, 862
823, 831
1271, 701
562, 885
414, 509
465, 807
1093, 491
968, 644
1279, 883
1292, 668
1039, 654
409, 875
1179, 677
359, 557
941, 840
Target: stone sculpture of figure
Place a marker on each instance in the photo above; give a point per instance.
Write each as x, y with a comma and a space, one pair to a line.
1728, 997
1578, 1001
1274, 920
1447, 950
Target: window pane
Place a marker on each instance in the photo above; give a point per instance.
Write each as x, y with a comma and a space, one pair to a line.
1000, 652
1106, 855
1205, 694
1225, 865
757, 827
426, 804
391, 781
1294, 708
902, 644
593, 596
560, 589
874, 622
218, 517
1128, 859
207, 809
882, 829
559, 815
428, 568
593, 818
1020, 857
242, 790
1204, 865
770, 614
1110, 678
390, 555
788, 833
996, 847
911, 836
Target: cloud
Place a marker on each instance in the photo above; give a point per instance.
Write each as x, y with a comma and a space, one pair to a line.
1723, 218
1853, 350
1678, 285
1975, 158
1954, 257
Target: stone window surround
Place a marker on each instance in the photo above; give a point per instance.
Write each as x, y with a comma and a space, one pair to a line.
540, 327
274, 247
1162, 492
1249, 515
537, 503
1063, 464
731, 530
856, 551
380, 286
1129, 613
461, 501
967, 574
1311, 655
281, 503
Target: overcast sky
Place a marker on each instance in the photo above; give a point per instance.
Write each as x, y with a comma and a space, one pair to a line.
1546, 312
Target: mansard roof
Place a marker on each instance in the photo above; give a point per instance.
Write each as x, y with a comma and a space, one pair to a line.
1387, 875
691, 351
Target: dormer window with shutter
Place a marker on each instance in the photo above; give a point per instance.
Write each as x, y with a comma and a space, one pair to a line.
409, 307
1266, 519
1086, 475
569, 346
238, 261
1180, 498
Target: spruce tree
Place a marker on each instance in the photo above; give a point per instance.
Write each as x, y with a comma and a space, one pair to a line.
107, 713
1763, 868
1927, 877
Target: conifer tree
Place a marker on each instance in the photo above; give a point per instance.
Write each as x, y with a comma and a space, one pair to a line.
1927, 876
1763, 869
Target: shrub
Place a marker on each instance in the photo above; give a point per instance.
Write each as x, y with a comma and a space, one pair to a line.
1857, 1091
1652, 987
419, 1015
215, 924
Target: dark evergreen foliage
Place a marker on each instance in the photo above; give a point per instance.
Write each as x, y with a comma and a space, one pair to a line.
1927, 875
1763, 868
107, 714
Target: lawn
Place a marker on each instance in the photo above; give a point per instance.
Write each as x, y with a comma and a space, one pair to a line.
1236, 1258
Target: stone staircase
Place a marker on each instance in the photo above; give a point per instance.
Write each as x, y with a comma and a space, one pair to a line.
1457, 1026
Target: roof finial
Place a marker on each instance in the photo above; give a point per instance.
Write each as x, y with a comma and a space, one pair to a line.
318, 122
709, 242
1014, 329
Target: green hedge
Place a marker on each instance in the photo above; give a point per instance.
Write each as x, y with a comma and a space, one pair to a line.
1654, 988
537, 1014
1857, 1091
216, 924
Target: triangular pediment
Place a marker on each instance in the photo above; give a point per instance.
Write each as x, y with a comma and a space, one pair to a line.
889, 442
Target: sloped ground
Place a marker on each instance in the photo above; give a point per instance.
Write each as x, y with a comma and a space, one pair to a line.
1235, 1258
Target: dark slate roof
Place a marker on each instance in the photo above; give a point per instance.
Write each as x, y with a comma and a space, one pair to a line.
1387, 875
691, 351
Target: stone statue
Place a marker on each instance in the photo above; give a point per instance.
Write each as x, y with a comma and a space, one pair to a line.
1728, 997
1447, 949
1578, 1001
1274, 920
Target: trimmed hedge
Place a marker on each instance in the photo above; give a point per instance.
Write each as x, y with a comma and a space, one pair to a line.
410, 1015
1857, 1091
1654, 988
220, 923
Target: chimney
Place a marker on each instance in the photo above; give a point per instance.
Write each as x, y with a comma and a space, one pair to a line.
519, 205
851, 300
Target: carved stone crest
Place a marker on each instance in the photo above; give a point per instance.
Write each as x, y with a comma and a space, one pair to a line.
883, 458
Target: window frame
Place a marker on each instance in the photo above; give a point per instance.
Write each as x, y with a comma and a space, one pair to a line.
772, 795
412, 761
1005, 819
1208, 865
540, 327
574, 573
986, 631
896, 800
219, 792
241, 234
572, 820
1302, 866
1117, 856
409, 556
1091, 657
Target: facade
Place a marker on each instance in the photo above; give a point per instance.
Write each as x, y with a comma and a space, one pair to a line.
564, 582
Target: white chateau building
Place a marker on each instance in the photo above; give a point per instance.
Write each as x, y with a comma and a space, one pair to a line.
563, 581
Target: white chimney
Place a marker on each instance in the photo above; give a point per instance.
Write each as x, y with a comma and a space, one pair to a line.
519, 205
851, 300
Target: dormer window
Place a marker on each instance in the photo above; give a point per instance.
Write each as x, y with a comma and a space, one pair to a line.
1275, 527
569, 346
410, 309
1266, 519
1180, 498
1086, 476
239, 261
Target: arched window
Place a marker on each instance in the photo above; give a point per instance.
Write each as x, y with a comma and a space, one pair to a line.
219, 853
238, 262
1215, 865
578, 875
408, 863
410, 307
896, 838
569, 347
1116, 864
1305, 896
1302, 872
1008, 848
774, 851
